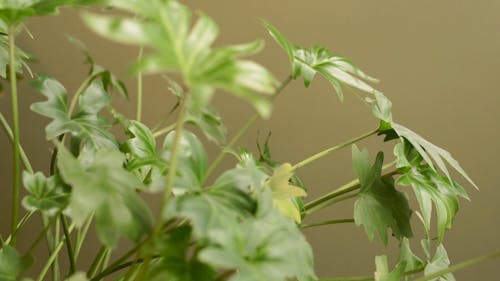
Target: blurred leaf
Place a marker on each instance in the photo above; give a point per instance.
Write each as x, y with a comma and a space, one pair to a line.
85, 124
13, 12
79, 276
180, 46
105, 188
267, 248
10, 263
379, 205
48, 195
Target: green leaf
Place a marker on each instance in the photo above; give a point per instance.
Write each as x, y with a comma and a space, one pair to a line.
267, 248
180, 46
439, 262
379, 205
10, 263
382, 273
192, 161
175, 262
48, 195
336, 69
85, 124
105, 188
411, 261
13, 12
429, 188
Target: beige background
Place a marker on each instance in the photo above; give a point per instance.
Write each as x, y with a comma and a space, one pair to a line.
438, 62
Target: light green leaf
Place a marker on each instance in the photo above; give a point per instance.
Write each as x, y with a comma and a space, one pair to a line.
48, 195
379, 205
336, 69
439, 262
10, 263
412, 262
85, 124
78, 276
181, 47
429, 187
105, 188
382, 273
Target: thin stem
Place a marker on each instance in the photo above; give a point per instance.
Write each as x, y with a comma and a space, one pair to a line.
139, 89
163, 131
21, 223
459, 266
126, 255
331, 202
15, 145
53, 256
346, 188
67, 238
78, 92
97, 261
42, 234
329, 222
369, 277
118, 268
332, 149
81, 234
9, 133
242, 131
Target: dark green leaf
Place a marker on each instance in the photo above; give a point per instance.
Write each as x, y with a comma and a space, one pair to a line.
379, 205
105, 188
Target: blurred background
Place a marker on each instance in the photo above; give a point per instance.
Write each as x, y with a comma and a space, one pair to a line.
438, 61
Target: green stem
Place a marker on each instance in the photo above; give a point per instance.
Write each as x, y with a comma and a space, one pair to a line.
69, 246
242, 131
332, 149
329, 222
369, 277
21, 223
15, 145
42, 234
79, 91
331, 202
139, 89
459, 266
97, 261
346, 188
9, 133
81, 234
163, 131
118, 268
53, 256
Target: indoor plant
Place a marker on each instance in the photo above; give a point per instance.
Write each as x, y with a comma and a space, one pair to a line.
246, 191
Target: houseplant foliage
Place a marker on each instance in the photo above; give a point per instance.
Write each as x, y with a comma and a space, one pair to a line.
242, 224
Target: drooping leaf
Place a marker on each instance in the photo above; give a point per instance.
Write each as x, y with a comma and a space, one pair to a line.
380, 205
429, 188
336, 69
85, 124
411, 261
47, 195
181, 47
382, 273
104, 187
439, 262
